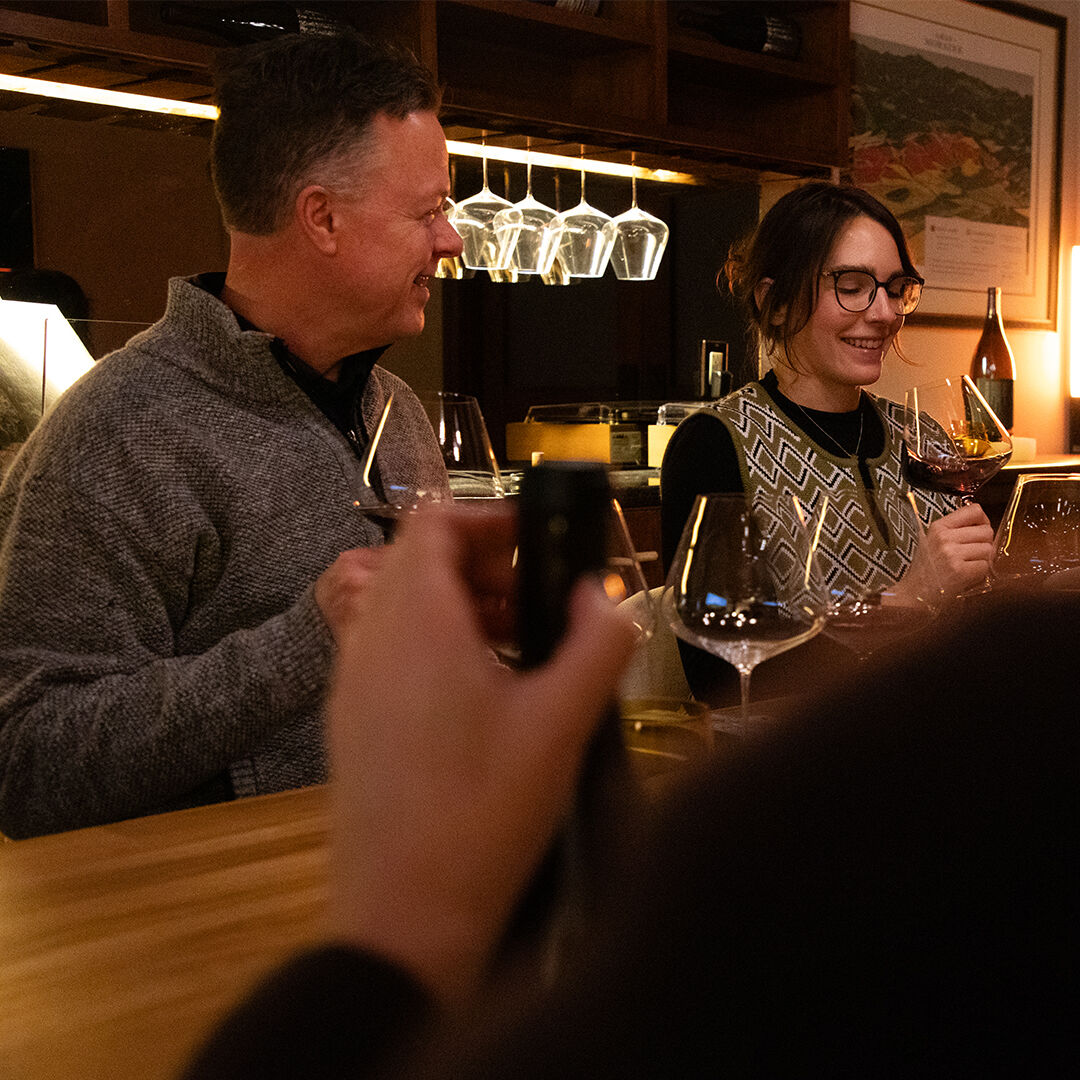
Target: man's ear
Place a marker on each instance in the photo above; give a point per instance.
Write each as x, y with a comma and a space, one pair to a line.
314, 214
761, 289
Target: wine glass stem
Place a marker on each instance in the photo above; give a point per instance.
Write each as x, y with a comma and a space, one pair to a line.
744, 696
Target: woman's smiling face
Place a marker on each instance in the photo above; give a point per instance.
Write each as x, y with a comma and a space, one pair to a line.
839, 351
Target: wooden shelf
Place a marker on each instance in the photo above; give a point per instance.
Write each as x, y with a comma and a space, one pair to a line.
626, 77
624, 23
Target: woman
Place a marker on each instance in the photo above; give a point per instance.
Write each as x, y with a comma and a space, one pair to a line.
825, 282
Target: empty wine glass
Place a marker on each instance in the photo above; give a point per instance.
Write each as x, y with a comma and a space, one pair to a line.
466, 447
556, 272
744, 584
523, 228
867, 615
638, 241
583, 246
505, 272
1038, 540
453, 268
472, 219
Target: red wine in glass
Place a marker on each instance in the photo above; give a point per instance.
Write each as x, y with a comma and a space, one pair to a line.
953, 439
963, 476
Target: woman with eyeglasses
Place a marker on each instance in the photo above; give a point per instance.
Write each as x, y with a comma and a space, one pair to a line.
825, 282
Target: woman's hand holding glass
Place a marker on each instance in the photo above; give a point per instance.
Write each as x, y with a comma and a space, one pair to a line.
954, 555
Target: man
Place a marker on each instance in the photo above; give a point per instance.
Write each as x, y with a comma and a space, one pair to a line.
179, 540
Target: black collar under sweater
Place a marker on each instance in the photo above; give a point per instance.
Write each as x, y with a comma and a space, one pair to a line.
338, 400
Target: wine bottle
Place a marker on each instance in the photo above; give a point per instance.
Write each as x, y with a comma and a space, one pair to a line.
992, 367
753, 30
245, 23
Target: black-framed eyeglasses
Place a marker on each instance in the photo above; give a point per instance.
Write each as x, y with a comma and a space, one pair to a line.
855, 290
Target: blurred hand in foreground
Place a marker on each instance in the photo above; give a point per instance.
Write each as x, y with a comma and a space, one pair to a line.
451, 774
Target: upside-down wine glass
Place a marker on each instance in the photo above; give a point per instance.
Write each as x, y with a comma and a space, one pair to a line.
472, 220
453, 268
638, 240
556, 272
531, 243
502, 270
583, 247
745, 584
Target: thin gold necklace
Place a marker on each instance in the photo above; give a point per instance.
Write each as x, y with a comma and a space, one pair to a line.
844, 452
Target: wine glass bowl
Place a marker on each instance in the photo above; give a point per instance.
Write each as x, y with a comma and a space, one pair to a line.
466, 449
663, 736
530, 232
953, 440
473, 220
867, 615
865, 622
583, 246
637, 240
471, 467
1038, 540
638, 243
744, 584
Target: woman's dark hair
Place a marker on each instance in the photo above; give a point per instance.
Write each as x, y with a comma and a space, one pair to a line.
294, 108
789, 248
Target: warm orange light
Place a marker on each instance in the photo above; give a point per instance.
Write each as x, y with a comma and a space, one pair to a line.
98, 96
561, 161
1074, 323
143, 103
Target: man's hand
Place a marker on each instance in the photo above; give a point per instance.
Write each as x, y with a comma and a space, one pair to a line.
341, 584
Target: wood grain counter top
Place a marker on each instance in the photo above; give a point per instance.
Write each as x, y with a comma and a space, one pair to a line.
121, 945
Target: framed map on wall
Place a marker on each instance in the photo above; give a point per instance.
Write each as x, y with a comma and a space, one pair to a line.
956, 127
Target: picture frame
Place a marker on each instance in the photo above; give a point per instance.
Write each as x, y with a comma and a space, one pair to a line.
956, 127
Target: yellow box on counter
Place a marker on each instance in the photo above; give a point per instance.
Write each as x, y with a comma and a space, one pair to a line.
659, 436
613, 444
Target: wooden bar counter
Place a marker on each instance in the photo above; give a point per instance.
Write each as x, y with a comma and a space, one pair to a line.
121, 945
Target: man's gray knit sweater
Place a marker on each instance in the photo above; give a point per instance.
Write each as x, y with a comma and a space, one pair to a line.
161, 533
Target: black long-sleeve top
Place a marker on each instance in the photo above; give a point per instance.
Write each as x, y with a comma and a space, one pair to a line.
701, 458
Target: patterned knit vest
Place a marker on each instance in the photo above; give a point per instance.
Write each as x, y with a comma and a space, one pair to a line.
778, 460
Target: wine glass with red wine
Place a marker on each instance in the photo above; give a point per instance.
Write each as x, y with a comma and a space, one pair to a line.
954, 440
